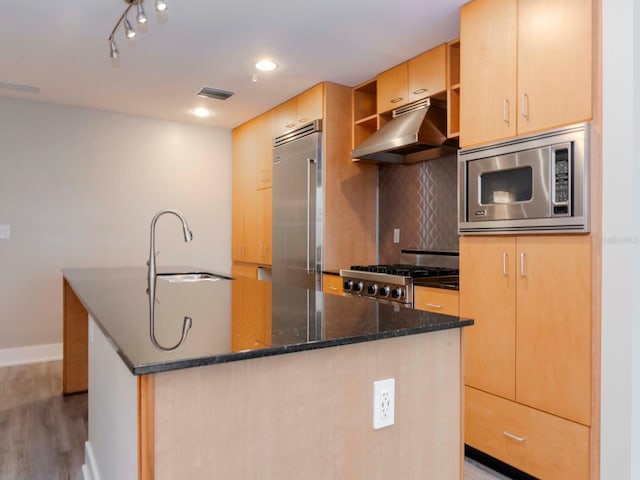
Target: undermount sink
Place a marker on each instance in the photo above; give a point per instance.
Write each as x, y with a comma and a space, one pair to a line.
190, 277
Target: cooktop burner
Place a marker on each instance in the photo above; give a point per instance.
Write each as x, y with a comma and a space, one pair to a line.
403, 270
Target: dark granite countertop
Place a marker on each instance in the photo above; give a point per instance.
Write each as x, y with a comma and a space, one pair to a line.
225, 313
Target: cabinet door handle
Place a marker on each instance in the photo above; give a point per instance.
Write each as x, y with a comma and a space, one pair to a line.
335, 289
505, 110
524, 106
523, 271
434, 305
396, 100
505, 272
513, 437
420, 90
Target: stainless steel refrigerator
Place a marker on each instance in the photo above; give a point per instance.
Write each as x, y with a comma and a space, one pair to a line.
297, 220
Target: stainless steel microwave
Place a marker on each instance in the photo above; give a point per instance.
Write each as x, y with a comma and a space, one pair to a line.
537, 183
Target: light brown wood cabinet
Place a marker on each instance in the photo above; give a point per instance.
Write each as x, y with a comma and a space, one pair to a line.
251, 320
304, 108
530, 297
420, 77
332, 284
526, 66
251, 193
543, 445
436, 300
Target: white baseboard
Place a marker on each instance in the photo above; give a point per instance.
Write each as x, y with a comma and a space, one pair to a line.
89, 469
31, 354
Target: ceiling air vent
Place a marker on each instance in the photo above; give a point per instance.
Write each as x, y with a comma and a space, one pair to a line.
216, 93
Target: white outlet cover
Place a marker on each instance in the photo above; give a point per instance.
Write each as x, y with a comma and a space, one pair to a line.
5, 232
384, 403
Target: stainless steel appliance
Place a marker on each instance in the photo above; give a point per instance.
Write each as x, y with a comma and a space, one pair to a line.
297, 225
415, 133
297, 207
530, 184
395, 283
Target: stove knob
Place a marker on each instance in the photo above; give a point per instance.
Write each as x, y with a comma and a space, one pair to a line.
372, 289
347, 285
384, 291
357, 287
397, 293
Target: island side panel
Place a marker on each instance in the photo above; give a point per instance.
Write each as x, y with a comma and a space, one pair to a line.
75, 346
146, 427
309, 414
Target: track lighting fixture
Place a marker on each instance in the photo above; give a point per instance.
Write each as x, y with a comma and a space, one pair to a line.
141, 18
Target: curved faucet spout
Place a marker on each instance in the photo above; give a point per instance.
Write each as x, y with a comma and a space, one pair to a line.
151, 277
188, 236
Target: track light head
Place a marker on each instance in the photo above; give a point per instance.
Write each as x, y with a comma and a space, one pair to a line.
141, 18
161, 6
128, 29
113, 50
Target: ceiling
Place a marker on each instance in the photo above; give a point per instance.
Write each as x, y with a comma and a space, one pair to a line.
61, 48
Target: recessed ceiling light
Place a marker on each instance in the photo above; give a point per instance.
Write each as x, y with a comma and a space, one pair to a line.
201, 112
266, 65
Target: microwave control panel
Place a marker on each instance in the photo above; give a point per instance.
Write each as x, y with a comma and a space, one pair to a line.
561, 171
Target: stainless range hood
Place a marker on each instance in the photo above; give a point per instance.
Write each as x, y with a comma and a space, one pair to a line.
415, 133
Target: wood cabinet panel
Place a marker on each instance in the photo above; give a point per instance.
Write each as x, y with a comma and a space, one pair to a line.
540, 444
332, 284
553, 334
526, 66
264, 226
244, 213
427, 74
554, 63
393, 90
488, 295
487, 70
304, 108
436, 300
530, 297
250, 309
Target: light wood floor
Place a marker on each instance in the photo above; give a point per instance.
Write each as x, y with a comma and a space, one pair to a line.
42, 432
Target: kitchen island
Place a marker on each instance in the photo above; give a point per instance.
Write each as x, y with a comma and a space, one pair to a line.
297, 404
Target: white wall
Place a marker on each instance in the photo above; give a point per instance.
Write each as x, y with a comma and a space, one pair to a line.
79, 187
620, 387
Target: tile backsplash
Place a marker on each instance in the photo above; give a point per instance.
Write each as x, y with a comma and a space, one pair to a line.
421, 201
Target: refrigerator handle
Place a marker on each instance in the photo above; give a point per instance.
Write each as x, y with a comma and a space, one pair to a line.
311, 163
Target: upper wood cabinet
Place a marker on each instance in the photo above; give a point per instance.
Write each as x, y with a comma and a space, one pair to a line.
427, 73
526, 66
530, 297
393, 89
421, 77
304, 108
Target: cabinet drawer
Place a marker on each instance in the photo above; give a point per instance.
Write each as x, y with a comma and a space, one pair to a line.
538, 443
436, 300
332, 284
246, 271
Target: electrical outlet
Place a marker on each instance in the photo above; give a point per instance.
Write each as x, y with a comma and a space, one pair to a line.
383, 403
5, 232
396, 235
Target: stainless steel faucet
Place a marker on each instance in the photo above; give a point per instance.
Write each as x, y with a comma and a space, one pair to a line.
188, 236
151, 279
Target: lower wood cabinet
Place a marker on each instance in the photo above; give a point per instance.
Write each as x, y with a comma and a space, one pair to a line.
251, 319
332, 284
436, 300
541, 444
